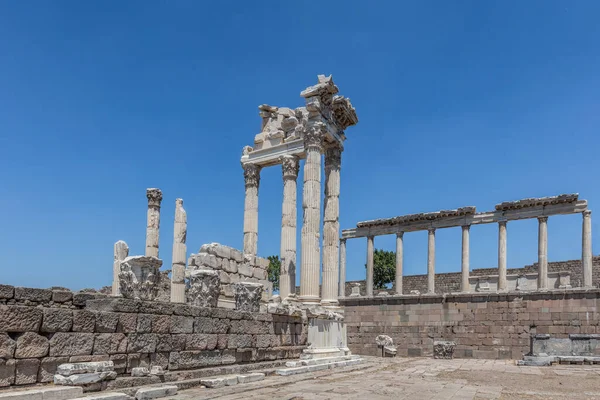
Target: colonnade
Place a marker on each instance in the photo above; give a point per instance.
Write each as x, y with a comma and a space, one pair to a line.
502, 252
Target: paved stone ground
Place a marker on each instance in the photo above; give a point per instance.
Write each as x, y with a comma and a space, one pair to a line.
420, 378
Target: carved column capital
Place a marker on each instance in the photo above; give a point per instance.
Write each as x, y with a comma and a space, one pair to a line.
543, 219
343, 240
400, 234
431, 231
502, 223
251, 175
154, 197
314, 137
587, 213
289, 166
466, 227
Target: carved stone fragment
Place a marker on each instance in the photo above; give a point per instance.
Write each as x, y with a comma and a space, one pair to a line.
247, 296
204, 287
443, 349
140, 277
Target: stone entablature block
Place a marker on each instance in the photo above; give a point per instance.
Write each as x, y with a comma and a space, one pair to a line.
538, 202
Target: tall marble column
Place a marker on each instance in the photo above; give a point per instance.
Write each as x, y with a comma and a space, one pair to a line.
252, 181
311, 222
342, 282
399, 261
154, 199
331, 226
287, 276
370, 265
179, 254
543, 253
431, 261
465, 259
502, 255
121, 251
586, 248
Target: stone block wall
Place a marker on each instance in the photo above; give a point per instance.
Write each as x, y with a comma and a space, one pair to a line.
450, 282
493, 326
38, 336
233, 266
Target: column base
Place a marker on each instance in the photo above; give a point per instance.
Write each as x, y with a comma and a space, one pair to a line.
309, 299
330, 303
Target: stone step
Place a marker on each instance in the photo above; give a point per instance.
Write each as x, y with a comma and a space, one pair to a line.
44, 393
316, 361
150, 393
317, 367
106, 396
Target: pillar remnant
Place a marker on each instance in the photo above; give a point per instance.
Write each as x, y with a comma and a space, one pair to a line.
465, 259
586, 248
121, 252
431, 260
370, 265
543, 253
154, 199
287, 276
331, 226
311, 205
252, 181
502, 255
205, 287
399, 261
179, 254
342, 282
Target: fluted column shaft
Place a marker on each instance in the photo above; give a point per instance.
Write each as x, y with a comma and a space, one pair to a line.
311, 221
154, 199
252, 182
543, 253
502, 255
465, 259
370, 265
179, 254
342, 282
121, 251
331, 226
586, 248
431, 261
399, 261
287, 276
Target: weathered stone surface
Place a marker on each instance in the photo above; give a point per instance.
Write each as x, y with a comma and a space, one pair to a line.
31, 294
20, 319
84, 321
71, 344
144, 323
140, 371
210, 325
195, 359
142, 343
245, 269
157, 370
7, 292
161, 323
180, 324
127, 322
247, 296
84, 368
57, 320
443, 349
384, 340
26, 371
48, 367
240, 341
155, 392
7, 346
81, 298
140, 277
84, 379
31, 345
7, 372
62, 296
120, 362
251, 377
106, 322
259, 273
110, 343
204, 287
106, 396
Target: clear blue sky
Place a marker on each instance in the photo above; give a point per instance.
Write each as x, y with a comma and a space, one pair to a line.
460, 103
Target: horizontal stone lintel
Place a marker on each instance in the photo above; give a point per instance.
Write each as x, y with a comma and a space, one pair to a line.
558, 294
475, 219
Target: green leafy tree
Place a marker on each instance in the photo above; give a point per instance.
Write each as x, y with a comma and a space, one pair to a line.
384, 268
273, 270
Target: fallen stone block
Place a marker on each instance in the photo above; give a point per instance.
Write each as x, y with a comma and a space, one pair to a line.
251, 377
155, 392
157, 370
140, 371
85, 367
48, 393
291, 371
213, 382
84, 379
106, 396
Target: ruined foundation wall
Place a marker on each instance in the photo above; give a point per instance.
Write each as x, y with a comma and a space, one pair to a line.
492, 326
450, 282
38, 333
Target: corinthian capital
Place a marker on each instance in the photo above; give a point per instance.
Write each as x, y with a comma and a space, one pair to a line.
154, 197
289, 166
251, 174
314, 136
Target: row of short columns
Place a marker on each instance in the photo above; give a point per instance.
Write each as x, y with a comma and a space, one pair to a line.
465, 286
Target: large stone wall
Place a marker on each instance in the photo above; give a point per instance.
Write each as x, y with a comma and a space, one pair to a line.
41, 329
495, 326
450, 282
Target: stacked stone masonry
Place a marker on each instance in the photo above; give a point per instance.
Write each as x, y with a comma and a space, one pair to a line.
489, 326
233, 266
38, 333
